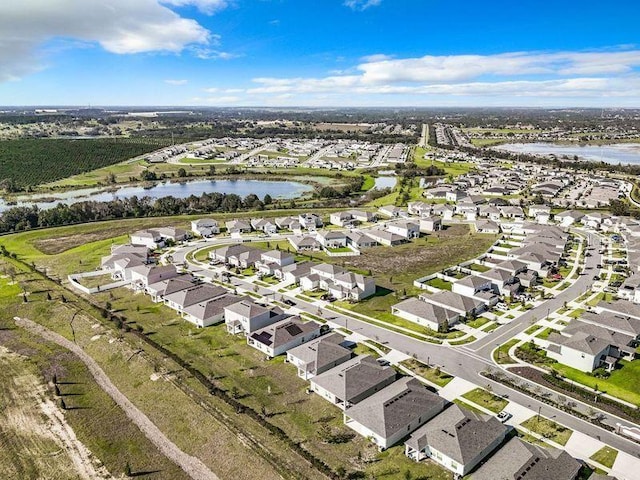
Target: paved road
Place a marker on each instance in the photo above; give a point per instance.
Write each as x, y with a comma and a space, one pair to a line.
469, 361
191, 465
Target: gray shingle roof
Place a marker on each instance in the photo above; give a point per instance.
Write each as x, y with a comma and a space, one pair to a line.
319, 353
519, 460
354, 378
459, 434
396, 406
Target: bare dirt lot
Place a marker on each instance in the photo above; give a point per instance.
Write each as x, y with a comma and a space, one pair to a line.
36, 440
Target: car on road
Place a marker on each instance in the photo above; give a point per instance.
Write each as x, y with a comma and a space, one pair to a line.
288, 301
596, 277
503, 416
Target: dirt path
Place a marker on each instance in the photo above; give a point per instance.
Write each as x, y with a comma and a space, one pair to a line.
52, 446
191, 465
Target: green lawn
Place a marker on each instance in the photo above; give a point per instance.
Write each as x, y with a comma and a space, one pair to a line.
439, 283
476, 267
486, 399
605, 456
624, 383
501, 354
548, 429
434, 375
478, 322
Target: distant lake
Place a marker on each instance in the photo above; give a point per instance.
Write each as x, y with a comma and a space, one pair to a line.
277, 189
625, 153
385, 182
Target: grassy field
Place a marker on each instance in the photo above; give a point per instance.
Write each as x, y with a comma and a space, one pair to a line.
605, 456
623, 383
97, 422
31, 162
395, 268
548, 429
486, 399
270, 386
180, 406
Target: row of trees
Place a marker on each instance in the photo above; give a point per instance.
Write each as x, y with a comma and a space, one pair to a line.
25, 218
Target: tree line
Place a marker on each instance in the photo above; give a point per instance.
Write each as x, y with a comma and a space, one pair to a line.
21, 218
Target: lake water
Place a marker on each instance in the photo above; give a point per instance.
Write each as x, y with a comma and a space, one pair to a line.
277, 189
385, 182
625, 153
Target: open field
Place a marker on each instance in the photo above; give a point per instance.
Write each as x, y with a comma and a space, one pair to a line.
38, 426
180, 406
26, 425
158, 388
396, 268
31, 162
270, 386
454, 169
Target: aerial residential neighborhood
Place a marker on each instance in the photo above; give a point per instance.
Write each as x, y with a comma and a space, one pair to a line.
320, 240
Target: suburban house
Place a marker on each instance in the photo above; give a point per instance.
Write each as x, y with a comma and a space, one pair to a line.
471, 285
121, 265
319, 355
420, 209
226, 253
238, 227
205, 227
569, 217
247, 317
522, 460
184, 298
148, 238
391, 211
272, 261
457, 439
157, 291
384, 237
338, 282
501, 281
541, 213
294, 272
277, 338
211, 311
263, 225
144, 275
332, 238
614, 322
359, 240
342, 219
460, 304
405, 228
388, 416
487, 226
304, 243
586, 347
430, 224
310, 221
431, 316
352, 381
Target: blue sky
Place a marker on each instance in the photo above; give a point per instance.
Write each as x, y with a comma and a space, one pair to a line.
320, 53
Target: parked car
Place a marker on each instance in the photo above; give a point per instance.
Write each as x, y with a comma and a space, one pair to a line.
503, 416
288, 301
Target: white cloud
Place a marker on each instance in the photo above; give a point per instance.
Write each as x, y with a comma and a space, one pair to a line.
221, 100
459, 68
205, 6
118, 26
531, 75
176, 82
361, 4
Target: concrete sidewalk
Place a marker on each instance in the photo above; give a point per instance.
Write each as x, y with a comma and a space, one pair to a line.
456, 388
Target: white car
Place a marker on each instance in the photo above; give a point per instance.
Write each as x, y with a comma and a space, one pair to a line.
503, 416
